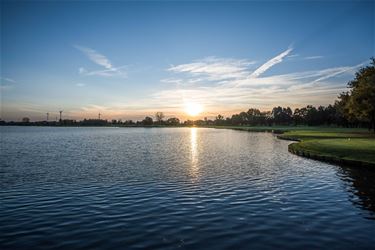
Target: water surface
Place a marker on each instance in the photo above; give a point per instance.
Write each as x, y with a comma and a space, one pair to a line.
168, 188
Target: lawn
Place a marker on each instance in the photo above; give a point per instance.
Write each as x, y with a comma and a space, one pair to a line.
340, 145
353, 149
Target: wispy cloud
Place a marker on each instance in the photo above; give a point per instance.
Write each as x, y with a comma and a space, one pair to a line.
338, 71
101, 60
293, 56
277, 59
80, 84
95, 56
6, 83
6, 79
213, 68
313, 57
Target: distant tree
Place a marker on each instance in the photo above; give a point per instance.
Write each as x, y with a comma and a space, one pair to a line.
282, 116
205, 120
189, 123
200, 122
129, 122
362, 95
299, 116
26, 120
253, 116
219, 120
244, 118
312, 115
173, 121
330, 115
147, 121
343, 115
159, 116
87, 122
237, 120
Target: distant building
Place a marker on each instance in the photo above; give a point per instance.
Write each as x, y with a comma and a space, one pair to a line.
26, 119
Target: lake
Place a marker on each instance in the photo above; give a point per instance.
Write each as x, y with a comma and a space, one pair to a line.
168, 188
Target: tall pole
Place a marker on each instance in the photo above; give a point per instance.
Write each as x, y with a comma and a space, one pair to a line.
47, 116
99, 116
60, 114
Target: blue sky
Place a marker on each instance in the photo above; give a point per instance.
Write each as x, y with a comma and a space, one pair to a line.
131, 59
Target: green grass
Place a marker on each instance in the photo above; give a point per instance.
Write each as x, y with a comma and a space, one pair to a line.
353, 149
335, 145
326, 134
340, 145
296, 129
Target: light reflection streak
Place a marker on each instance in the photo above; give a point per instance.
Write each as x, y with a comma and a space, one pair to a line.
194, 170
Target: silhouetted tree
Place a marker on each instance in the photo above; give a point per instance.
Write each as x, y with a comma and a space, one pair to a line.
159, 116
362, 95
253, 116
189, 123
173, 121
219, 120
237, 120
26, 120
282, 116
299, 116
147, 121
129, 122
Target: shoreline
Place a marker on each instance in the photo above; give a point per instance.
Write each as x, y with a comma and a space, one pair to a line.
296, 148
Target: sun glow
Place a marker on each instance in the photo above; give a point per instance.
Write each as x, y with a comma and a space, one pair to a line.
193, 109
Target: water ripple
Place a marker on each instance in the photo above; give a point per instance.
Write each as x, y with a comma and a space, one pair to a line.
103, 188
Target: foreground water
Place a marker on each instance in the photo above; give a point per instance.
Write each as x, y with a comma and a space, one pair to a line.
168, 188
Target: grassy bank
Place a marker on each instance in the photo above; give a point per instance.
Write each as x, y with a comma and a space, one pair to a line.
336, 145
353, 151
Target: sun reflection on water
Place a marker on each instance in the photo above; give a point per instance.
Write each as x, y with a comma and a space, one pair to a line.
194, 170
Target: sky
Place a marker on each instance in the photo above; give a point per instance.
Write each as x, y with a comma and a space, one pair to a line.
129, 59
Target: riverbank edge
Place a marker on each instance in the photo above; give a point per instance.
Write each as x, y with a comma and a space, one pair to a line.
295, 149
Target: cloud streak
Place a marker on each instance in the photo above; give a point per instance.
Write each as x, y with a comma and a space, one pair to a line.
9, 80
101, 60
338, 71
6, 83
213, 68
79, 84
313, 57
277, 59
95, 56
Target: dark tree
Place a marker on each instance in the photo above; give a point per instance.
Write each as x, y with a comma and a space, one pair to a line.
282, 116
147, 121
173, 121
219, 120
362, 95
159, 116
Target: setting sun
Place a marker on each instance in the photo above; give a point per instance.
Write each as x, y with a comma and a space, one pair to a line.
193, 109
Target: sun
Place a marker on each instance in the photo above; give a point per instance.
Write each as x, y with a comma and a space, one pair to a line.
193, 109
